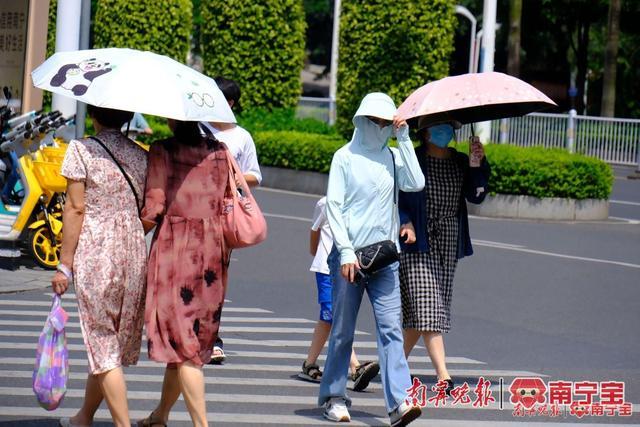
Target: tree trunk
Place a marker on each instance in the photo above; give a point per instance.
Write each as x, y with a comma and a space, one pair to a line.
513, 53
582, 64
608, 106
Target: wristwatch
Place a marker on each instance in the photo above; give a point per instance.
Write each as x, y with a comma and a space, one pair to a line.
66, 271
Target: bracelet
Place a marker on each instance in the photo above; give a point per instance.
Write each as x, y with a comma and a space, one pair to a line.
65, 270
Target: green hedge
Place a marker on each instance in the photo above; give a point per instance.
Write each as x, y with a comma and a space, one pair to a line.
534, 171
543, 172
296, 150
260, 119
160, 26
392, 47
260, 44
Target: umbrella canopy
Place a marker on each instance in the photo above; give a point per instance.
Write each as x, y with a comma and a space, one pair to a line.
132, 80
469, 98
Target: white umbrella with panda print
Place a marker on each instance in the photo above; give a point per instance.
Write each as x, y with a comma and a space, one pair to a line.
133, 80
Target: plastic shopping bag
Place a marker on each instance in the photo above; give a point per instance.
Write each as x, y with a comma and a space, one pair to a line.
52, 360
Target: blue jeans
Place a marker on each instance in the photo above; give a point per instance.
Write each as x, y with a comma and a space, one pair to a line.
383, 289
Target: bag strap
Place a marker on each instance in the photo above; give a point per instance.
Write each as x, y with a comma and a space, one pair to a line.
395, 193
135, 194
234, 170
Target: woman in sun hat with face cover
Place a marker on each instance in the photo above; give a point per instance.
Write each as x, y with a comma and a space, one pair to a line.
436, 227
361, 211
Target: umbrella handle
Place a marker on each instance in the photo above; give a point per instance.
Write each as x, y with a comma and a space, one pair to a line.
473, 130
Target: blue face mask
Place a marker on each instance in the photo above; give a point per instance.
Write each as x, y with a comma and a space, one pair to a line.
441, 135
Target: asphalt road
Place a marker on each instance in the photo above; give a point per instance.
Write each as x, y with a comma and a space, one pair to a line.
555, 300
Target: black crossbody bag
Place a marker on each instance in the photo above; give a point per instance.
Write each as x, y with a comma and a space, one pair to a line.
373, 258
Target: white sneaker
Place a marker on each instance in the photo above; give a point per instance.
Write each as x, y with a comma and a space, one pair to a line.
336, 410
404, 414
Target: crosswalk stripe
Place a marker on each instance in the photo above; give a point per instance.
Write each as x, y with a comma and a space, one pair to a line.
73, 336
234, 341
254, 388
148, 378
474, 373
302, 356
219, 418
26, 303
357, 402
213, 417
226, 329
225, 319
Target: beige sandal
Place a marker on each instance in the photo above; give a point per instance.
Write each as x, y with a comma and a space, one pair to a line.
151, 421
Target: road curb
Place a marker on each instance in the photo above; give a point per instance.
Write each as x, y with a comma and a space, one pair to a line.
546, 208
294, 180
498, 206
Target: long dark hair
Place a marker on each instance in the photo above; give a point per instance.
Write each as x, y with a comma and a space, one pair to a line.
109, 117
189, 133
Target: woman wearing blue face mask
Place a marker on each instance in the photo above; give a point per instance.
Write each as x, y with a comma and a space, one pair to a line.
435, 232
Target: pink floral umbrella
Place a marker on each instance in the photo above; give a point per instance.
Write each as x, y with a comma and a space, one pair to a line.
470, 98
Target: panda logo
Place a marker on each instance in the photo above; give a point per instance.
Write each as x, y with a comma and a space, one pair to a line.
78, 77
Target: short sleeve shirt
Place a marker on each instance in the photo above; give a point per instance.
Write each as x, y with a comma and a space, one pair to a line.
241, 146
319, 264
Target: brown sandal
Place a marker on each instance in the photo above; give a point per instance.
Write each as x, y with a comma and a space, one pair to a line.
151, 421
310, 372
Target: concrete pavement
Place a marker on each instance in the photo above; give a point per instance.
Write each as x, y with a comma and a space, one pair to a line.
558, 300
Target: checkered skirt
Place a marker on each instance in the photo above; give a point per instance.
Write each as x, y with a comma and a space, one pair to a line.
426, 279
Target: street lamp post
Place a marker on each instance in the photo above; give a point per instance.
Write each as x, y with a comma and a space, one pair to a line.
333, 82
486, 54
85, 28
461, 10
67, 39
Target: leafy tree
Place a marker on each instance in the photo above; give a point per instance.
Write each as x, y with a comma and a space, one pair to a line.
160, 26
391, 47
515, 19
610, 60
260, 44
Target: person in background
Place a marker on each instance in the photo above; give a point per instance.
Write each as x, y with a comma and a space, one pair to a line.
104, 254
320, 244
361, 195
137, 126
187, 279
241, 146
436, 227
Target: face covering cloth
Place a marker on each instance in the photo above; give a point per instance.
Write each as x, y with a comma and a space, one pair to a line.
441, 135
367, 133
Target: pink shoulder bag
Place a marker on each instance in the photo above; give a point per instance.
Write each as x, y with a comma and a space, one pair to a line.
242, 221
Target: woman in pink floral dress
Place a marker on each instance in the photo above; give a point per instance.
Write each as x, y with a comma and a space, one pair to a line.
104, 250
186, 283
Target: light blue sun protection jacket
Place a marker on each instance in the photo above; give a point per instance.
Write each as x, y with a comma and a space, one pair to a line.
360, 200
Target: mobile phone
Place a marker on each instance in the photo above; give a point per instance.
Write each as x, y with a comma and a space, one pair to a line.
475, 152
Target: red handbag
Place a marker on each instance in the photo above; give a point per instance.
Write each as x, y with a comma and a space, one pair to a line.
242, 221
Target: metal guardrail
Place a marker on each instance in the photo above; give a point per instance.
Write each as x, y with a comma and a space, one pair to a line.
613, 140
316, 108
